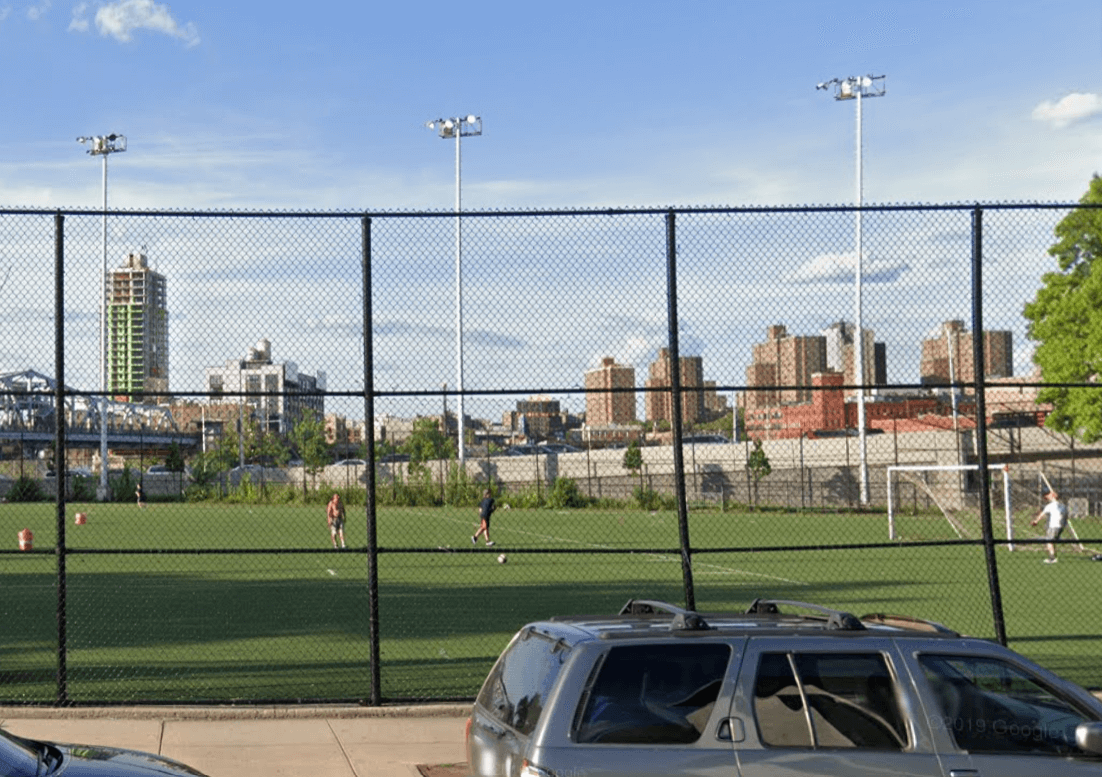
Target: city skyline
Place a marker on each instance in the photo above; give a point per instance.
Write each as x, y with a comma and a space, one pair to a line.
223, 113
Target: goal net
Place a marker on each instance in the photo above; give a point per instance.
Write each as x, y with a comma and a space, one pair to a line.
943, 502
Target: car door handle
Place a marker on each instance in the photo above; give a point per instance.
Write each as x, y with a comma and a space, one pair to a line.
964, 772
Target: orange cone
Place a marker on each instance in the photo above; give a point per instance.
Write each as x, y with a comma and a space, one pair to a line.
81, 519
26, 540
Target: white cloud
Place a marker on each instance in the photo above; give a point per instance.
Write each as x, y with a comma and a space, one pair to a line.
838, 268
1068, 109
79, 22
5, 12
119, 20
36, 12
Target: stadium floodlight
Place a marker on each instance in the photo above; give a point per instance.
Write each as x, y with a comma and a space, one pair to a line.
104, 146
458, 127
856, 88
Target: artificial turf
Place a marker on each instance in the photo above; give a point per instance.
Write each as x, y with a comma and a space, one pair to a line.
198, 602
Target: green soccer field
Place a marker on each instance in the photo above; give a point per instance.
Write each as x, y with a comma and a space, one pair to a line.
265, 610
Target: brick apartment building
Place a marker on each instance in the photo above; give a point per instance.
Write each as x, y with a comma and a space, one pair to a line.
659, 404
950, 355
610, 394
825, 408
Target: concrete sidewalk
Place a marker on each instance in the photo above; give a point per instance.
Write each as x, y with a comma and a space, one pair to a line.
264, 741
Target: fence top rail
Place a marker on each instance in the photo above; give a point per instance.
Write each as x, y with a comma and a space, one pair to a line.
546, 212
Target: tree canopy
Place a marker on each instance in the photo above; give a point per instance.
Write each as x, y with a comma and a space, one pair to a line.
428, 442
1065, 320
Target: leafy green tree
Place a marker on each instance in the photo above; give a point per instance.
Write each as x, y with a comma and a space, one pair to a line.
633, 459
205, 467
759, 466
263, 446
308, 437
427, 442
1065, 319
633, 463
174, 461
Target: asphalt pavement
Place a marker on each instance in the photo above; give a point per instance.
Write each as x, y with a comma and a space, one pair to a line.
327, 741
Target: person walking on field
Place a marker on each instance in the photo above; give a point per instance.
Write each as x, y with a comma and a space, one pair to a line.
485, 510
1057, 513
334, 516
139, 492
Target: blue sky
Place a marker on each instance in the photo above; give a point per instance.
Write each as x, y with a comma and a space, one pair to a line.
246, 105
292, 106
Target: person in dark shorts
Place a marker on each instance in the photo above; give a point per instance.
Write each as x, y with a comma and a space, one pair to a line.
485, 510
334, 516
1057, 514
139, 492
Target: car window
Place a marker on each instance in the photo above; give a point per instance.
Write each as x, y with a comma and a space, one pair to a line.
654, 694
517, 686
992, 706
827, 700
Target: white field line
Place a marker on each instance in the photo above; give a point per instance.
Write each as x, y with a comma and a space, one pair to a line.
716, 569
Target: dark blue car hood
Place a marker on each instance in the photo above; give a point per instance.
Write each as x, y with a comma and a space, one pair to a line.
89, 761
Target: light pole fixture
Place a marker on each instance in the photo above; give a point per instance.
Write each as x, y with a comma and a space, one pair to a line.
458, 128
103, 145
855, 88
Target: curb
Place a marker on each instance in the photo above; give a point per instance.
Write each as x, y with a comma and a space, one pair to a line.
451, 710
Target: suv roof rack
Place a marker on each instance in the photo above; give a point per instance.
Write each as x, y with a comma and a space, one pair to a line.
836, 619
683, 620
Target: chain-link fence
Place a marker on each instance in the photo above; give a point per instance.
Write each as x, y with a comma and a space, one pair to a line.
662, 402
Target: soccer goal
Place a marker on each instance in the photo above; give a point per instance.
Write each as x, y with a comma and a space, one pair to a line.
940, 505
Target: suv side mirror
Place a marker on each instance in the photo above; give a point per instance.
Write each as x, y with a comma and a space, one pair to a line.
1089, 736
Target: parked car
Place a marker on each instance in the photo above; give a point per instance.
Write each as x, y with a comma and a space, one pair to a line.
158, 469
254, 472
705, 439
558, 447
393, 458
660, 690
351, 463
73, 472
19, 756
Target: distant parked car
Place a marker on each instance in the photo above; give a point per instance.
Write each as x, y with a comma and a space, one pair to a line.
522, 450
351, 463
254, 471
158, 469
705, 439
391, 458
558, 447
72, 472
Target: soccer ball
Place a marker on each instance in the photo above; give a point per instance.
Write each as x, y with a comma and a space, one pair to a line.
501, 559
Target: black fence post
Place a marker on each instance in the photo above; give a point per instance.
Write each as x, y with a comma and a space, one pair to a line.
675, 410
62, 698
369, 432
981, 425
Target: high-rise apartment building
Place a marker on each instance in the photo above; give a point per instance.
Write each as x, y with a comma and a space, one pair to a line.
659, 404
782, 368
950, 356
137, 332
610, 394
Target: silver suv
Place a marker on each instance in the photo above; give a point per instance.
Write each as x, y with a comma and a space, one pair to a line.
658, 690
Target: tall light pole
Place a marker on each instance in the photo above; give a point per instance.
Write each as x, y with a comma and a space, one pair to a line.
855, 88
103, 145
458, 128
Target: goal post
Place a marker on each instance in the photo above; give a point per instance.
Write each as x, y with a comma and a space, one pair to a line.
918, 475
